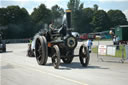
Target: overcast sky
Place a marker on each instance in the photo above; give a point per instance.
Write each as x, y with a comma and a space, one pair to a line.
103, 4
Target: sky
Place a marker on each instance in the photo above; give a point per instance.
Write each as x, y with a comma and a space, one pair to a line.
103, 4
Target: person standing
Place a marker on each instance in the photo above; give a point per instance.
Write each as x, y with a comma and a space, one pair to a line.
51, 26
89, 44
116, 40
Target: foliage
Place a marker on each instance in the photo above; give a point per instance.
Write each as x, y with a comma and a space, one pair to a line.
57, 15
76, 8
100, 21
41, 16
117, 18
95, 7
84, 20
17, 20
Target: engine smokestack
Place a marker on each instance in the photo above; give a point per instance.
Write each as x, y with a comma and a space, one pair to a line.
68, 16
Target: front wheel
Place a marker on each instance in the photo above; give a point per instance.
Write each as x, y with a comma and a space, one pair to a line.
84, 56
56, 56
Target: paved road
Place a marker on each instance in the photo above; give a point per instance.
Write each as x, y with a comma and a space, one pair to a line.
18, 69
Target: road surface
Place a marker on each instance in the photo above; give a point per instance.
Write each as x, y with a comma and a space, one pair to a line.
18, 69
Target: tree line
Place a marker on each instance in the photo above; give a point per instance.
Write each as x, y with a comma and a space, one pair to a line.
21, 24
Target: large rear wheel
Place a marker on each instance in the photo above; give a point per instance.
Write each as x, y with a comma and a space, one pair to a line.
41, 50
84, 55
56, 56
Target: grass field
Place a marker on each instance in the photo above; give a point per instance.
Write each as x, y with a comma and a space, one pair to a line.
118, 52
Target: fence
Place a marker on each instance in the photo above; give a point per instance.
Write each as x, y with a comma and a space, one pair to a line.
120, 51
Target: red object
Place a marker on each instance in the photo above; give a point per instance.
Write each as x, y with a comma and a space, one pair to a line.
84, 36
87, 36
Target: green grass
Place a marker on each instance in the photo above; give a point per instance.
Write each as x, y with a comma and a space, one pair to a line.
118, 52
95, 50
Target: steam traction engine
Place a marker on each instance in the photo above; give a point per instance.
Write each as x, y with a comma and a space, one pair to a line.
59, 44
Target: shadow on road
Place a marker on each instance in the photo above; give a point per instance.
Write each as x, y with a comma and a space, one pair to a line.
6, 52
110, 61
76, 65
30, 56
8, 66
96, 67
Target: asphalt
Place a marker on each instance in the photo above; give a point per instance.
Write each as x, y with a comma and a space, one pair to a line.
18, 69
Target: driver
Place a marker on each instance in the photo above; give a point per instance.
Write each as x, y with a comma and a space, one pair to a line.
51, 26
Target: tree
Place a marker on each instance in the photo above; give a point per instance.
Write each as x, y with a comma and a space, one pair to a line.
100, 21
57, 14
41, 16
86, 18
18, 22
71, 5
117, 17
76, 8
3, 17
95, 7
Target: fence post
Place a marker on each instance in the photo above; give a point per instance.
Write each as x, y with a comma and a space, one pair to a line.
97, 49
123, 54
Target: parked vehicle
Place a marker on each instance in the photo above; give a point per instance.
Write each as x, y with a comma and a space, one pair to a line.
87, 36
